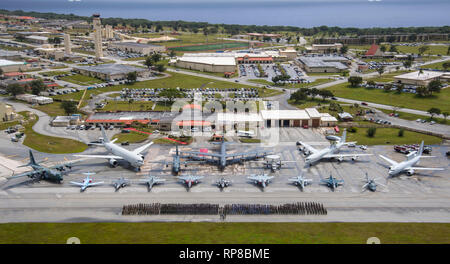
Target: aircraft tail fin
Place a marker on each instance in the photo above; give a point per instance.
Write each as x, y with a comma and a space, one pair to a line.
419, 153
344, 136
105, 137
32, 161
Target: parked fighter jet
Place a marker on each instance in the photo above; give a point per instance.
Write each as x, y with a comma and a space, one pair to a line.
87, 182
190, 179
331, 182
315, 155
135, 158
300, 181
273, 162
152, 180
371, 185
39, 172
121, 183
176, 162
222, 183
407, 166
260, 179
222, 159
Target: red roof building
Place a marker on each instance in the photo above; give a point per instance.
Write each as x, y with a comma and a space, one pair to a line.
374, 51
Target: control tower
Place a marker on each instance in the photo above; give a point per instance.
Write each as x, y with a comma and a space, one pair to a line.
97, 36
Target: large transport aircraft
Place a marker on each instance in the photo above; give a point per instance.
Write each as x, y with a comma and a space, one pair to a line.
331, 152
39, 172
408, 165
134, 157
222, 159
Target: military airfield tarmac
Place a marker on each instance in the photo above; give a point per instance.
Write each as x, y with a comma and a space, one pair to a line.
423, 197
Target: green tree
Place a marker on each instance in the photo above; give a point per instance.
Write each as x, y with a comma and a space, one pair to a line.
171, 94
380, 70
434, 86
371, 131
393, 48
15, 89
407, 64
434, 111
445, 65
325, 94
172, 53
355, 81
156, 57
69, 107
401, 132
160, 67
132, 77
148, 62
37, 86
344, 49
383, 48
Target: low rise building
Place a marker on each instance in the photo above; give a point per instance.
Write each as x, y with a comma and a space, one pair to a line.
64, 121
12, 66
110, 72
207, 63
34, 99
423, 78
289, 52
7, 112
296, 118
9, 55
324, 48
324, 64
144, 49
37, 39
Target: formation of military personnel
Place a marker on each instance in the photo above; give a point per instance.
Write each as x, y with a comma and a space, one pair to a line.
303, 208
306, 208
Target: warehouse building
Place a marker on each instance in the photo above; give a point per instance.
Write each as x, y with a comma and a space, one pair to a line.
12, 66
324, 48
207, 62
9, 55
64, 121
324, 63
421, 79
37, 39
144, 49
109, 72
34, 99
296, 118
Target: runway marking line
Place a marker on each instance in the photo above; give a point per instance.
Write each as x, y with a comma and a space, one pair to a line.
174, 140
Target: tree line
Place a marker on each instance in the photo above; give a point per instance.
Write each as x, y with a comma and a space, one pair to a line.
233, 29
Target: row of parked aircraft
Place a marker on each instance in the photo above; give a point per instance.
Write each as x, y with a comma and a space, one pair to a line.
222, 159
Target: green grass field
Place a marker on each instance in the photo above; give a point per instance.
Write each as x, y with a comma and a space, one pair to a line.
48, 144
81, 79
132, 137
437, 66
413, 117
389, 136
432, 49
210, 47
404, 100
53, 73
53, 109
126, 106
224, 233
5, 125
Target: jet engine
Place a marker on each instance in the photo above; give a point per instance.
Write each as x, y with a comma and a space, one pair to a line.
113, 163
354, 158
340, 159
410, 172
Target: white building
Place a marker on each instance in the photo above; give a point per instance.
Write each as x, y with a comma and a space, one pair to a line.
421, 79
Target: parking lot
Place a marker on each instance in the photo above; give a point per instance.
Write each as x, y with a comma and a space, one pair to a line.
269, 71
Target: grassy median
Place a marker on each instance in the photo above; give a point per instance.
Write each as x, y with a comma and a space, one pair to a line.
49, 144
224, 233
389, 136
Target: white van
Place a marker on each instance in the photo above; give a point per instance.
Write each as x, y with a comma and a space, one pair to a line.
242, 133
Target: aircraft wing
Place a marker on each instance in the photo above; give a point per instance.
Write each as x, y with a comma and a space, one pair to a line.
142, 148
345, 155
348, 143
246, 155
308, 147
77, 183
201, 154
95, 183
422, 168
389, 160
100, 156
25, 174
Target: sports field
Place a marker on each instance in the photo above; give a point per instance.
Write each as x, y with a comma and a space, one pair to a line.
224, 233
213, 46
